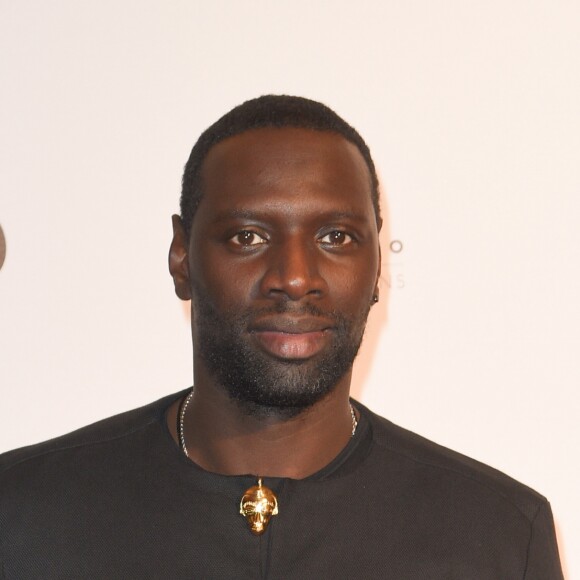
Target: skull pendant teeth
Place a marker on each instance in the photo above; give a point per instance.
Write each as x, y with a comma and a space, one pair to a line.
258, 505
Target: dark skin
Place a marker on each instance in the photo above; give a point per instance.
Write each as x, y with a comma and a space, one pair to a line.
286, 216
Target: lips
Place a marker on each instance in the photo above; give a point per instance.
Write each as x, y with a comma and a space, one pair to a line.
291, 324
292, 338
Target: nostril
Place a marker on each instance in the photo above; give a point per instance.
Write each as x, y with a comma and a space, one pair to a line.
295, 274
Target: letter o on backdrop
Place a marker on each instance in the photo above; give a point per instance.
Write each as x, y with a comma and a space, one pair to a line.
2, 248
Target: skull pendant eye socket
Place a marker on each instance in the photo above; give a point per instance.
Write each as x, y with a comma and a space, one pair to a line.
258, 505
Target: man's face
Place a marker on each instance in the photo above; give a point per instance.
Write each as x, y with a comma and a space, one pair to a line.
283, 264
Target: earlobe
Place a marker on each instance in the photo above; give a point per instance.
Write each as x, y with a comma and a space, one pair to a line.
178, 260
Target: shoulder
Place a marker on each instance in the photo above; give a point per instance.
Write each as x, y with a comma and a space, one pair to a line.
444, 468
110, 430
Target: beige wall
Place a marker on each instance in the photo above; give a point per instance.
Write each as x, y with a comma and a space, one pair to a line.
471, 110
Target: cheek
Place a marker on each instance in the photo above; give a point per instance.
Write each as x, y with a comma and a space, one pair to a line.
353, 282
227, 282
352, 293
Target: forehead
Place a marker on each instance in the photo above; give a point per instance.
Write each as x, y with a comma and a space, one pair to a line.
261, 164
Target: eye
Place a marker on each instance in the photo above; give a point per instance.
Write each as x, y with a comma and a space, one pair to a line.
247, 238
336, 238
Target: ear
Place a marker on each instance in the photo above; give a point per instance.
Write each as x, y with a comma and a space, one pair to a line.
379, 227
376, 292
178, 260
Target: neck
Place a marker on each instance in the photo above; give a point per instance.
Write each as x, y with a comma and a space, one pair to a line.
221, 436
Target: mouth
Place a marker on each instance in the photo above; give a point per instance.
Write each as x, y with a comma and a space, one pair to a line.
290, 338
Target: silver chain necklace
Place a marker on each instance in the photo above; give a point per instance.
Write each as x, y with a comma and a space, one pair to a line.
259, 503
187, 400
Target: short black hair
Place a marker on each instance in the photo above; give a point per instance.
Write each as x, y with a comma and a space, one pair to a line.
267, 111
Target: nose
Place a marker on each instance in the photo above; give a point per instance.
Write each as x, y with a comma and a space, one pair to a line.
293, 271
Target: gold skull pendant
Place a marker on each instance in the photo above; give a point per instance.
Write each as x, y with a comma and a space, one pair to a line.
258, 505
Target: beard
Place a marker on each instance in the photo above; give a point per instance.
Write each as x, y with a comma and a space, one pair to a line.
261, 383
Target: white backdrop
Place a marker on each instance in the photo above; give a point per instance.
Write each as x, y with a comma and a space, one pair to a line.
471, 111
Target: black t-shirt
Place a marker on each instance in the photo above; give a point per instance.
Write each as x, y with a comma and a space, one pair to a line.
118, 499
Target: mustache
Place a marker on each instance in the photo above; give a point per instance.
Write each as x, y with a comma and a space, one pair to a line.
210, 314
295, 310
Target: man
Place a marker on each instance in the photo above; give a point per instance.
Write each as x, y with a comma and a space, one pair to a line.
266, 468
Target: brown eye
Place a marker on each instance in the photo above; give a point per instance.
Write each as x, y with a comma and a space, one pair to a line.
336, 238
248, 238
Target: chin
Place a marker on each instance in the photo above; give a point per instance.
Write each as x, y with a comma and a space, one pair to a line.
288, 387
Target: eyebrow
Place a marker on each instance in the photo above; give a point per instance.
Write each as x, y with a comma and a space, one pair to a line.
257, 214
233, 213
343, 215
